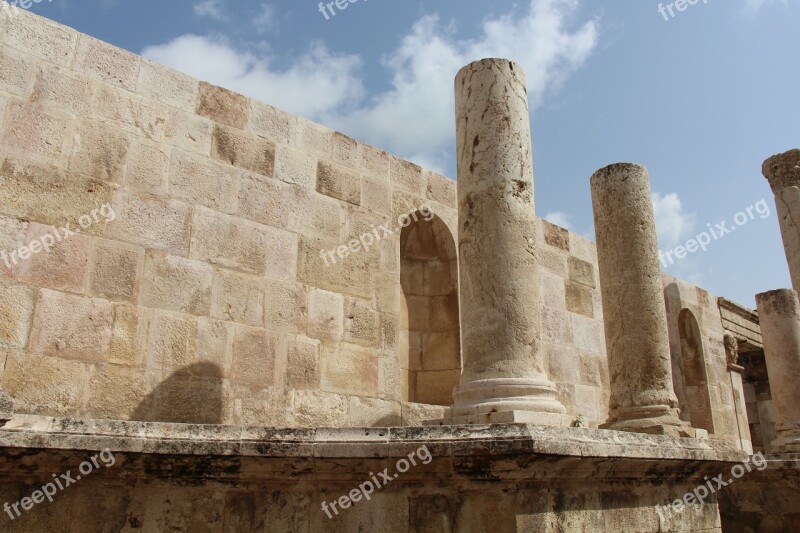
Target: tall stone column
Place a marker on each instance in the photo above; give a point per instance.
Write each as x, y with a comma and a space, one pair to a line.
642, 396
504, 376
779, 317
783, 173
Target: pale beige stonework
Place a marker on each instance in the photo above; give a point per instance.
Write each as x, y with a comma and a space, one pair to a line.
503, 363
779, 315
783, 173
642, 395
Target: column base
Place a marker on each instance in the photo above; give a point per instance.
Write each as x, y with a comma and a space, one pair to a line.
653, 420
787, 442
500, 395
6, 407
505, 417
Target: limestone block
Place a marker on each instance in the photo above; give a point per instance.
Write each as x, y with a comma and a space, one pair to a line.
581, 272
262, 406
443, 313
349, 369
12, 237
148, 167
41, 38
176, 283
375, 196
265, 200
375, 163
213, 349
393, 380
391, 336
338, 182
152, 222
60, 88
106, 62
325, 315
16, 310
579, 299
373, 412
285, 306
295, 167
415, 414
258, 356
172, 341
556, 326
272, 123
189, 132
354, 275
440, 189
71, 327
553, 260
582, 248
61, 266
200, 181
237, 243
314, 139
388, 294
564, 363
45, 194
439, 351
237, 297
99, 150
440, 278
361, 325
17, 72
6, 402
187, 399
116, 392
302, 363
346, 151
33, 129
45, 385
408, 176
132, 113
223, 106
588, 334
243, 149
129, 335
167, 86
315, 409
553, 292
555, 236
436, 386
586, 403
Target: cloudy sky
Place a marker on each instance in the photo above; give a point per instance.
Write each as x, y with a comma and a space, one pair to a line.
700, 96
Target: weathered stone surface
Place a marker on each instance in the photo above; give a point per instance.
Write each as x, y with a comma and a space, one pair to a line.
61, 88
325, 314
274, 124
132, 113
99, 150
147, 168
338, 182
302, 363
190, 132
295, 167
18, 72
642, 395
106, 62
237, 297
349, 369
244, 150
167, 85
151, 221
55, 260
501, 338
176, 283
285, 306
222, 105
45, 385
16, 310
71, 327
258, 356
779, 315
33, 129
408, 176
200, 181
40, 37
782, 170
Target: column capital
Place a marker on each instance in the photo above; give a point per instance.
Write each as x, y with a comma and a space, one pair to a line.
782, 170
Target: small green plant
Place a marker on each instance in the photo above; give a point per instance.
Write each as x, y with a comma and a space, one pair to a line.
578, 422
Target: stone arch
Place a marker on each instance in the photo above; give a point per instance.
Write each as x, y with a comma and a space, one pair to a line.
696, 407
430, 321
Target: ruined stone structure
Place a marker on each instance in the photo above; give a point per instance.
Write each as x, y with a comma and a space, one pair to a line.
259, 315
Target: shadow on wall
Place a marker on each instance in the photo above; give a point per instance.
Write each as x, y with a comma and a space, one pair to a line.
192, 395
429, 278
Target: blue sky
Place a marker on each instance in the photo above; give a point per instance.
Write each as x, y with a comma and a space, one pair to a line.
701, 98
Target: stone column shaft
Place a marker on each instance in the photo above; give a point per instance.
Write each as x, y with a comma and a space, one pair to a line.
637, 338
503, 367
779, 317
783, 173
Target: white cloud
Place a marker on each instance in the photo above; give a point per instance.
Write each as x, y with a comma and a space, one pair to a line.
209, 8
672, 222
414, 118
559, 219
267, 19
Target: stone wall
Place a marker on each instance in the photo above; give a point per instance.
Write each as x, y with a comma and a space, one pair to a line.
208, 296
